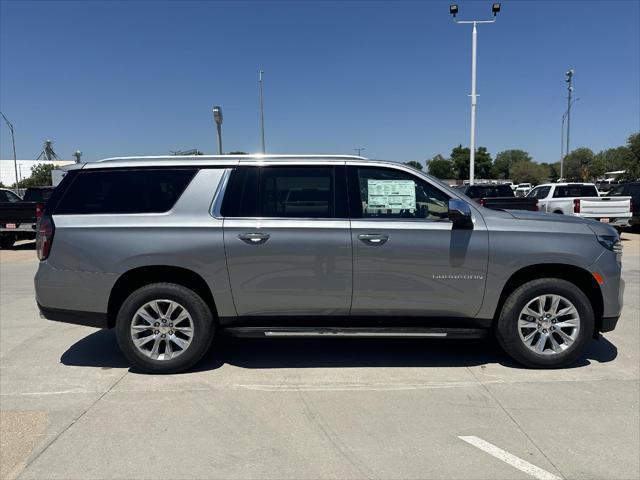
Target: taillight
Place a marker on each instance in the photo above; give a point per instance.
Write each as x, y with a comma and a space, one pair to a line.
39, 210
535, 207
44, 238
576, 205
482, 202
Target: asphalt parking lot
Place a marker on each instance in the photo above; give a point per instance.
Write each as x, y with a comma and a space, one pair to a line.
331, 408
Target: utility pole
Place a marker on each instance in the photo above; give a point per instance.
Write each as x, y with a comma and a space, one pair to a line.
13, 142
359, 150
453, 10
260, 73
569, 81
562, 153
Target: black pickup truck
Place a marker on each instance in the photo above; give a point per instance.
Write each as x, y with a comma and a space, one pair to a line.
498, 197
19, 216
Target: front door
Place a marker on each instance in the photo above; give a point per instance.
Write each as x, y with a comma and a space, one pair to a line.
407, 258
287, 240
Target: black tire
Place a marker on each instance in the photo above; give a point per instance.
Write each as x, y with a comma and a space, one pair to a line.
7, 240
559, 212
507, 327
203, 327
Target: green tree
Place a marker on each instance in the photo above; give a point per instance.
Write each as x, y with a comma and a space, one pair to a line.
460, 158
633, 165
504, 160
440, 167
40, 176
577, 165
414, 164
611, 160
526, 171
551, 170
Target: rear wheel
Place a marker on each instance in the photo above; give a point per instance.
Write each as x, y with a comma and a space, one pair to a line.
546, 323
164, 328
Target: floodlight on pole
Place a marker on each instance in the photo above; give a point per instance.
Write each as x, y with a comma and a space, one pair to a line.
217, 117
13, 142
453, 10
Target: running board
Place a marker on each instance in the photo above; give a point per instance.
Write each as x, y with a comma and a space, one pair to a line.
378, 332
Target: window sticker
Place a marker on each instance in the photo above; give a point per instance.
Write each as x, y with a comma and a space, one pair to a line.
391, 195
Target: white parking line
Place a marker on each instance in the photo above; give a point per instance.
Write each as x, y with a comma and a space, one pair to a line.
506, 457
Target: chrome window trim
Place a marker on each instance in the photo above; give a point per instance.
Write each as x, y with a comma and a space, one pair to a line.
216, 204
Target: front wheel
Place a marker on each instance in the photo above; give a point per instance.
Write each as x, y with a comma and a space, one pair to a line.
546, 323
164, 328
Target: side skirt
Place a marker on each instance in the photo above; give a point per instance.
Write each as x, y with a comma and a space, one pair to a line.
375, 332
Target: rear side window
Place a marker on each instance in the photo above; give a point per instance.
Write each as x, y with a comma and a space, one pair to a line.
7, 196
286, 192
539, 192
569, 191
124, 191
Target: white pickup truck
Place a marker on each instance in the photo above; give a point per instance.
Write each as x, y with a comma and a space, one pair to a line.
583, 200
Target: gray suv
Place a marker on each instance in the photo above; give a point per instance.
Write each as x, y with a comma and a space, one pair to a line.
171, 251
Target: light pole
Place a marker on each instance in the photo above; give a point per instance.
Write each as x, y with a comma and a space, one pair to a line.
453, 10
564, 117
260, 73
569, 81
217, 117
359, 150
13, 141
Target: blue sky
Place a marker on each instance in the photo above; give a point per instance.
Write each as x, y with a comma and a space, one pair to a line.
126, 78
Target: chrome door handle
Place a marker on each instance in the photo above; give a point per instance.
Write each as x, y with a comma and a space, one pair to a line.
254, 238
373, 239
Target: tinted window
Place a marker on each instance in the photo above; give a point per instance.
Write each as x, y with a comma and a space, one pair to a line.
286, 192
7, 196
539, 192
489, 191
569, 191
37, 194
124, 191
389, 193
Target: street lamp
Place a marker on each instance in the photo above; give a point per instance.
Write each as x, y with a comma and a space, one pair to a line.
13, 141
359, 150
217, 117
453, 10
564, 117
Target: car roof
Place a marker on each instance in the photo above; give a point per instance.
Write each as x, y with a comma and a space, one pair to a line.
214, 160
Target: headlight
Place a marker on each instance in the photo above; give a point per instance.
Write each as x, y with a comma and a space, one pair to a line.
610, 242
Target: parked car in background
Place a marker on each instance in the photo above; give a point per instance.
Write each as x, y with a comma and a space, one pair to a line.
171, 251
498, 197
582, 200
631, 189
19, 216
523, 189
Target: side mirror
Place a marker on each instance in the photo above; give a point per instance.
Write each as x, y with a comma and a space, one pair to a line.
460, 214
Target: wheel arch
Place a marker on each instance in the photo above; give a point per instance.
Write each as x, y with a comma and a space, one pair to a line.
578, 276
141, 276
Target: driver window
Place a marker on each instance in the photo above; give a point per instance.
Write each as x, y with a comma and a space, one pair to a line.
388, 193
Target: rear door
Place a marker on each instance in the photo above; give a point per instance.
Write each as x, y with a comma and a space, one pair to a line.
407, 258
287, 239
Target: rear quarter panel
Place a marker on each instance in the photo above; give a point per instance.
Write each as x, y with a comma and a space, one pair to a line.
90, 252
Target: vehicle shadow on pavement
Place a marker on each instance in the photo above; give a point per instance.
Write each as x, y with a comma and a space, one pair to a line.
100, 350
